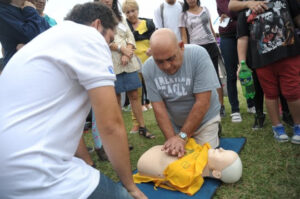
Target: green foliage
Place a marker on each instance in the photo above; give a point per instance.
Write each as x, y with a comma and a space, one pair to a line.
270, 169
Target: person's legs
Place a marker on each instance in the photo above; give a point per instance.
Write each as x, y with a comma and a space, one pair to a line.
269, 79
109, 189
209, 133
229, 53
290, 89
259, 117
97, 141
135, 124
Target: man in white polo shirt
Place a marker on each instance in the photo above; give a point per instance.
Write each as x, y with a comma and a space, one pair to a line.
46, 92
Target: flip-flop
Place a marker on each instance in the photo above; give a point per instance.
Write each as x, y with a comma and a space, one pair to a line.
144, 132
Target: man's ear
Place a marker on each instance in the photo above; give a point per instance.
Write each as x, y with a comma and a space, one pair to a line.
216, 174
181, 45
97, 24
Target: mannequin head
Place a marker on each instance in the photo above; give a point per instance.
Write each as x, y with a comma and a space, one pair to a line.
222, 164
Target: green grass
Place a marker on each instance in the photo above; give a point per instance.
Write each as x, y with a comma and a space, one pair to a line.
270, 169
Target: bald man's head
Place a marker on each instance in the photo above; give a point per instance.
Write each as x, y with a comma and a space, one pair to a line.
166, 51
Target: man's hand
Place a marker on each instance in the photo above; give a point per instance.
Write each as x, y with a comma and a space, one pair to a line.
28, 3
137, 194
257, 6
174, 146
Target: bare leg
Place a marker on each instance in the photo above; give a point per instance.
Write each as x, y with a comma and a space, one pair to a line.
220, 93
273, 111
119, 99
83, 153
294, 108
136, 107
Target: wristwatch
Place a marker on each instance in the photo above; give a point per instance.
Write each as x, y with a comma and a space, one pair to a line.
183, 136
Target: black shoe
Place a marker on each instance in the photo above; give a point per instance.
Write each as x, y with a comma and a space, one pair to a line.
259, 121
222, 111
90, 149
130, 147
101, 154
287, 118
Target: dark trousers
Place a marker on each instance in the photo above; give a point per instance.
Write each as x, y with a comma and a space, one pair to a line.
228, 47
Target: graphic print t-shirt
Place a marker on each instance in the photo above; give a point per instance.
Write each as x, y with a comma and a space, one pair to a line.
196, 75
272, 34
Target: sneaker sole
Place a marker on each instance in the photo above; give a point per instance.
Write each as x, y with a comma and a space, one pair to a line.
282, 140
295, 141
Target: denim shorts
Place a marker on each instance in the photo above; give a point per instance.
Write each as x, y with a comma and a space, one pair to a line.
108, 189
127, 82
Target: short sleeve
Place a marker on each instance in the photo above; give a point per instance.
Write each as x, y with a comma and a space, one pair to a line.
92, 65
242, 25
148, 74
206, 78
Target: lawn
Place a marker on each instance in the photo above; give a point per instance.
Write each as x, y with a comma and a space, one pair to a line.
270, 169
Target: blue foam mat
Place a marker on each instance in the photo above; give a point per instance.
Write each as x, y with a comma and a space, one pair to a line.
210, 185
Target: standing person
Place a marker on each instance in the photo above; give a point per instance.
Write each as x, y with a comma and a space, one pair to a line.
228, 45
182, 85
20, 23
40, 163
40, 7
167, 16
126, 67
259, 7
275, 55
196, 28
142, 29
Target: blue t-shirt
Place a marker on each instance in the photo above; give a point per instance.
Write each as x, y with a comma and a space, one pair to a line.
18, 26
196, 75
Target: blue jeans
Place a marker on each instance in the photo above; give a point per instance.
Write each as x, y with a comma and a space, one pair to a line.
228, 47
109, 189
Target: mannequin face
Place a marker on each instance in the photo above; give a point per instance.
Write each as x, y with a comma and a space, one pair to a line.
219, 159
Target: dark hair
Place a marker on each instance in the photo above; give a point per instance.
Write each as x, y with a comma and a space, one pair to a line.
87, 13
5, 1
115, 8
185, 6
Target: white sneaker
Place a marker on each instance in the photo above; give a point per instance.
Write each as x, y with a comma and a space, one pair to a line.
251, 110
236, 117
144, 108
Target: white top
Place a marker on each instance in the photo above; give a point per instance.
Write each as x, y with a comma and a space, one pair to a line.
43, 106
171, 14
198, 26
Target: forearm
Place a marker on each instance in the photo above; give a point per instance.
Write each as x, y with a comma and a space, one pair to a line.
163, 120
242, 47
112, 132
83, 153
197, 114
183, 35
236, 5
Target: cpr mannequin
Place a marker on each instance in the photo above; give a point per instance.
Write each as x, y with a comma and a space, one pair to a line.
186, 175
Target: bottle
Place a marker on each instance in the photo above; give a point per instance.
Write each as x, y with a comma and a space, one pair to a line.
246, 80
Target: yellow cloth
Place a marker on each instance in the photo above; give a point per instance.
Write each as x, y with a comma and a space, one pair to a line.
143, 45
185, 174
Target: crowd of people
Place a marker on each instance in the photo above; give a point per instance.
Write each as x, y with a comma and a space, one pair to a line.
55, 75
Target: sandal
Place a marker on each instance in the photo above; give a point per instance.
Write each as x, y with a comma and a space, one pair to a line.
144, 132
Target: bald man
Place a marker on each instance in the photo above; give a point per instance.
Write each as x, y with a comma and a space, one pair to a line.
181, 84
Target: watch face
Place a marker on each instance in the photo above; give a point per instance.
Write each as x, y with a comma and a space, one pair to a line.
182, 135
